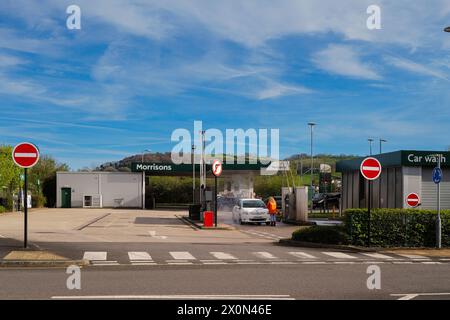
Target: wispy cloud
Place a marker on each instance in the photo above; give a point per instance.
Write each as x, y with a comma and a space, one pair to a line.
343, 60
415, 67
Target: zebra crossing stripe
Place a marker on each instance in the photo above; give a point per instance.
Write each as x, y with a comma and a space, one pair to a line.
265, 255
302, 255
95, 255
339, 255
182, 255
223, 256
414, 257
139, 256
379, 256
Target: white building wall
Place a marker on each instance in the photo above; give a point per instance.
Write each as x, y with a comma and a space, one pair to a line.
111, 185
412, 182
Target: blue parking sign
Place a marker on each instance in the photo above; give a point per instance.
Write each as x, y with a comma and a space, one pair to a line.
437, 175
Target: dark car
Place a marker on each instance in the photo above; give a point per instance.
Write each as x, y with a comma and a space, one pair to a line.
326, 200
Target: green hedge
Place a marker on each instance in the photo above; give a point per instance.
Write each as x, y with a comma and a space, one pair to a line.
2, 209
322, 234
396, 227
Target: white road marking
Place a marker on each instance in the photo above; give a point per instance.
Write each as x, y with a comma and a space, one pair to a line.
414, 257
223, 256
182, 255
105, 263
431, 262
95, 255
302, 255
265, 255
409, 296
153, 235
181, 297
139, 255
339, 255
379, 256
143, 263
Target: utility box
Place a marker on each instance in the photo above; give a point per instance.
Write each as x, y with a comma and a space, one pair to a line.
295, 204
208, 219
301, 204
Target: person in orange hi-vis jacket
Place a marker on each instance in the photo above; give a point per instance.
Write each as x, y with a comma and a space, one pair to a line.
272, 206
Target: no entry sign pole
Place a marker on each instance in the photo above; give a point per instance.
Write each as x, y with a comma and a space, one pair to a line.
25, 208
217, 171
25, 155
370, 170
438, 219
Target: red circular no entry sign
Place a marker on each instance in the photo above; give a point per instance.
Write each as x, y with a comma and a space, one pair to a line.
413, 200
25, 155
370, 168
217, 168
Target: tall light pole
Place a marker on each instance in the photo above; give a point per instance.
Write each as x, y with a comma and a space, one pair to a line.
370, 145
193, 173
311, 126
381, 141
143, 179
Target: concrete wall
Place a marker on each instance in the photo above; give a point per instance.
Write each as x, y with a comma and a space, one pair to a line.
111, 185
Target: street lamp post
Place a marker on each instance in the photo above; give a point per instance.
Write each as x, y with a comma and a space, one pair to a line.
193, 173
143, 179
381, 141
311, 125
370, 145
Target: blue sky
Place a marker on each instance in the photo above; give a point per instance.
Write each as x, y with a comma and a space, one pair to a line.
137, 70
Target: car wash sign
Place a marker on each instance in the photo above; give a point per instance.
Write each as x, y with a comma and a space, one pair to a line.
425, 158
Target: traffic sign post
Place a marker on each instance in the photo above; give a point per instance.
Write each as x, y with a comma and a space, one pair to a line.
437, 178
217, 171
413, 200
25, 155
371, 170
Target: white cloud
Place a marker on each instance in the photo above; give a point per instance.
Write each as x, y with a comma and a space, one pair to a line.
414, 67
345, 61
276, 90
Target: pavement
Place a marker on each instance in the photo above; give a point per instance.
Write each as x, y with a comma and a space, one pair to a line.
156, 255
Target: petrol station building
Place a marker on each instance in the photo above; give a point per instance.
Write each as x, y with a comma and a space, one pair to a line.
403, 172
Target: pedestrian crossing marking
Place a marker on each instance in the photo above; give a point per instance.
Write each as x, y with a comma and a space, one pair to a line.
139, 256
414, 257
339, 255
223, 256
265, 255
95, 255
302, 255
182, 255
379, 256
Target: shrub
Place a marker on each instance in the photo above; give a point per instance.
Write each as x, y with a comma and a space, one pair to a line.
38, 201
2, 209
397, 227
321, 234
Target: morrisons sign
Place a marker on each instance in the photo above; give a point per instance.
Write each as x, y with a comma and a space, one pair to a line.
185, 169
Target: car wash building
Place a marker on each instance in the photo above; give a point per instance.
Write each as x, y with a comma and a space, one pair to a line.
403, 172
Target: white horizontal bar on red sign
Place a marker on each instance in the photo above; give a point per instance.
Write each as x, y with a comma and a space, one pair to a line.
371, 168
25, 155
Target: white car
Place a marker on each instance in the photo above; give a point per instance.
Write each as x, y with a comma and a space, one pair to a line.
251, 211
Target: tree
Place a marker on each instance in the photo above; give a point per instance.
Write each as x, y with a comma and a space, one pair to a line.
42, 179
9, 175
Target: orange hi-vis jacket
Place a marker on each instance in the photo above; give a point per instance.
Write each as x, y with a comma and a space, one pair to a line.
272, 206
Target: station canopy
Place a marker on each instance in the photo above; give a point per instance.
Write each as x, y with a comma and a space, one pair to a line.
171, 169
